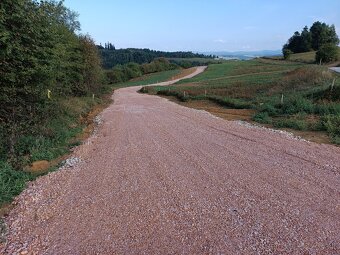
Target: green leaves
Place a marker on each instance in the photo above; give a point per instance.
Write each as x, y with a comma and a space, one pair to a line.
318, 35
39, 51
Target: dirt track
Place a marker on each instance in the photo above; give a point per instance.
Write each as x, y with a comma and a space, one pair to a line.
159, 178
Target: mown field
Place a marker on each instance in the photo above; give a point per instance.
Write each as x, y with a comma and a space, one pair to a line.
284, 94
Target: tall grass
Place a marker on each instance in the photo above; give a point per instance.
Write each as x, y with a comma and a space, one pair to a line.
12, 182
149, 79
285, 94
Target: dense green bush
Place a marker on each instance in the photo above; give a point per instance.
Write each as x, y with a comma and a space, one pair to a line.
327, 53
262, 117
295, 105
122, 73
328, 108
40, 52
287, 53
332, 124
268, 108
291, 123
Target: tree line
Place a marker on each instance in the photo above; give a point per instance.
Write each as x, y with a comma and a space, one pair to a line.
122, 73
319, 37
111, 56
41, 57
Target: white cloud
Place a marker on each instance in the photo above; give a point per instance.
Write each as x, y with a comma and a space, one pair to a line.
219, 41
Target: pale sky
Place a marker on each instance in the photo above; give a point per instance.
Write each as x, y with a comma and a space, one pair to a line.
201, 25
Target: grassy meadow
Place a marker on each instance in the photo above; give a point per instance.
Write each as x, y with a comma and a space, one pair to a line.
284, 94
149, 79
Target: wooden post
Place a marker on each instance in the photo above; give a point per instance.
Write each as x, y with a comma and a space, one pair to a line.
183, 93
205, 93
92, 96
282, 99
332, 86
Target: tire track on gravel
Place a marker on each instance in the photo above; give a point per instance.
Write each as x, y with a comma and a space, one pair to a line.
160, 178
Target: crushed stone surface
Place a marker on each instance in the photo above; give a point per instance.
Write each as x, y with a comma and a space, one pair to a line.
159, 178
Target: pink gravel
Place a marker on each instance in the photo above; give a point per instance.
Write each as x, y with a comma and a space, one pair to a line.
160, 178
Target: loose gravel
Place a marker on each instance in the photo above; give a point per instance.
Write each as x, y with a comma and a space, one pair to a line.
159, 178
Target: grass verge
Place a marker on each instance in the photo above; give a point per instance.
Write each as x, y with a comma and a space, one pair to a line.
284, 94
149, 79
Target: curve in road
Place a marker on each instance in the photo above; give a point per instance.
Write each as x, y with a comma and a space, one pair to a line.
160, 178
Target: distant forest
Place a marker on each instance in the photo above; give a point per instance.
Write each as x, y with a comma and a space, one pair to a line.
112, 56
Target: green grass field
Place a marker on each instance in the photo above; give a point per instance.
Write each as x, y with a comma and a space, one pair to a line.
199, 60
283, 93
306, 57
149, 79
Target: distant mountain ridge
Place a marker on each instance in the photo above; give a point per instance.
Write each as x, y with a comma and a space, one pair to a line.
244, 55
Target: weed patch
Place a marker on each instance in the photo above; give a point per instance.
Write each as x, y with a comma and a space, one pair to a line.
262, 117
12, 182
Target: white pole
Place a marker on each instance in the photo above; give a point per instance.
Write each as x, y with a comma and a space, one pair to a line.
332, 86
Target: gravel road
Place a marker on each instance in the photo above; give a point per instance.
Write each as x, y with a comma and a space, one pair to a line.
336, 69
160, 178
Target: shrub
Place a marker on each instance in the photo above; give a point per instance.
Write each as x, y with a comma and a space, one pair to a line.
268, 108
262, 117
327, 53
296, 105
330, 108
331, 124
336, 139
291, 123
287, 53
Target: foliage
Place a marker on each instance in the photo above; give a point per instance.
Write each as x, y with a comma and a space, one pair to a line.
262, 117
112, 57
331, 123
12, 182
291, 123
25, 58
39, 51
318, 35
191, 62
322, 34
308, 93
327, 53
123, 73
286, 53
298, 42
150, 78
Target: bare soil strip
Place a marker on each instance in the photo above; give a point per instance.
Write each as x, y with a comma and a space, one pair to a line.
160, 178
